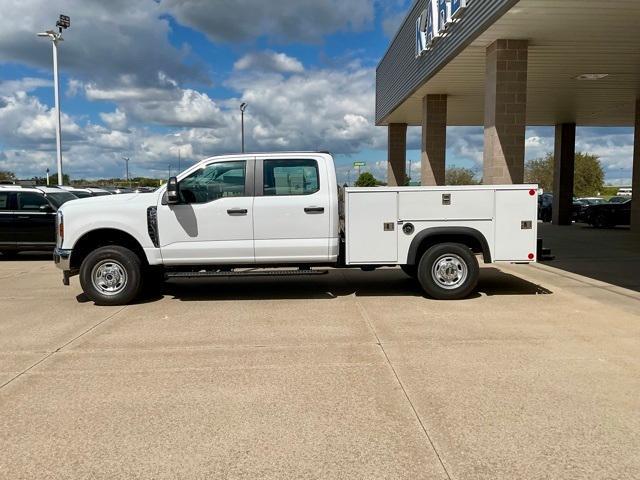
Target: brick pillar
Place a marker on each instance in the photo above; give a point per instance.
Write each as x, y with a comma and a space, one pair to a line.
635, 204
397, 161
563, 173
434, 139
505, 111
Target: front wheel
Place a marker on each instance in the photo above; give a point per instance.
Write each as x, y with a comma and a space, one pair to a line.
111, 275
448, 271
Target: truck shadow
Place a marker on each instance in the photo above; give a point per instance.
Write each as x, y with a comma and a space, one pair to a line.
27, 257
337, 283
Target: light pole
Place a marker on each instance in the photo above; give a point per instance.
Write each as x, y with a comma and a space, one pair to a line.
243, 107
126, 161
63, 22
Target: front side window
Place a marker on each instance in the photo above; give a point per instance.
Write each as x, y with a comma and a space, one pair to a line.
217, 180
291, 177
31, 201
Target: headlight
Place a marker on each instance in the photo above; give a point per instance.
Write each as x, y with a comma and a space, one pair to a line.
59, 228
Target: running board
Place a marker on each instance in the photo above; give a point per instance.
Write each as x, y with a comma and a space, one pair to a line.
245, 273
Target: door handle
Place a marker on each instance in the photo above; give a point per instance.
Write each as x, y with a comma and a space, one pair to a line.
314, 210
236, 212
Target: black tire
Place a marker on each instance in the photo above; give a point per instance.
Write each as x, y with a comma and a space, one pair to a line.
115, 260
600, 220
464, 271
410, 270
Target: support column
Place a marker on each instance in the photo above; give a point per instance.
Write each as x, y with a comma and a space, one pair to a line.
397, 157
635, 184
434, 139
505, 111
563, 173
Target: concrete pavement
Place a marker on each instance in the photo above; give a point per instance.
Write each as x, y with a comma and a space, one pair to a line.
349, 375
610, 255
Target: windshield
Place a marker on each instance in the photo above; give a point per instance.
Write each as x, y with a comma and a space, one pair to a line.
59, 198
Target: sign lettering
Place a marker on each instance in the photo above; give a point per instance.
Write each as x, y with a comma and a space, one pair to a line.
434, 20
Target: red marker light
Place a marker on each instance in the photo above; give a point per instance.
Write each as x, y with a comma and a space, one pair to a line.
532, 192
531, 256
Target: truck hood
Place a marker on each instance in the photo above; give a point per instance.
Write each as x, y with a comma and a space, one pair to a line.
110, 202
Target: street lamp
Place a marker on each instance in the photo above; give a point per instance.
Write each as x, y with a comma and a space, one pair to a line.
63, 22
243, 107
126, 161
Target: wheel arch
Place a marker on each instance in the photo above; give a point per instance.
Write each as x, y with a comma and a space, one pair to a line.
103, 237
429, 237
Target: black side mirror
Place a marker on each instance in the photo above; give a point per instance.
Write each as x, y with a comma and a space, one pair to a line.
46, 208
173, 191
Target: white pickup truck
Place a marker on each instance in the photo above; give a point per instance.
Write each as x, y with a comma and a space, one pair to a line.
284, 214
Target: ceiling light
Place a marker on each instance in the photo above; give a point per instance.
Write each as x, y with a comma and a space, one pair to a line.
592, 76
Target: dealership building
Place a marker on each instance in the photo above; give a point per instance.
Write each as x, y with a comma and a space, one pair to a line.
509, 64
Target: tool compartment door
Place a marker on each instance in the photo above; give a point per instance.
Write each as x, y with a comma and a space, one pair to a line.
371, 234
516, 225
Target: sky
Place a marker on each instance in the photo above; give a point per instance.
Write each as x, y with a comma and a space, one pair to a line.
158, 80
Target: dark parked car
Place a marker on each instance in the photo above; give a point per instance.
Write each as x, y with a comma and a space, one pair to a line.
581, 207
607, 215
28, 218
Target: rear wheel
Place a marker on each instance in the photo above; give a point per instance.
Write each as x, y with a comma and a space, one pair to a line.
600, 220
111, 275
448, 271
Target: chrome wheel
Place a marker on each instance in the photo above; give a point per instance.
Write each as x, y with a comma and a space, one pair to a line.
449, 271
109, 277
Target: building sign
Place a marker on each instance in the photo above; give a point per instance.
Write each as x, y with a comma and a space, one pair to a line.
434, 20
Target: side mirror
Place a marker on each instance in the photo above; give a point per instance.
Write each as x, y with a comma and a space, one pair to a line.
46, 208
173, 191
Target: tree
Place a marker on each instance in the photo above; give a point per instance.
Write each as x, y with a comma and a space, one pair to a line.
540, 171
7, 176
366, 179
460, 176
588, 174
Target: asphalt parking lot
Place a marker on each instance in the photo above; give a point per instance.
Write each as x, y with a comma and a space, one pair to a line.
348, 375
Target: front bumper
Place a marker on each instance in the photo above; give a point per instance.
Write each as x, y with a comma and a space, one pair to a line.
62, 259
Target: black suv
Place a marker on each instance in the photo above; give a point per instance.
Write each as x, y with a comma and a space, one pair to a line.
28, 217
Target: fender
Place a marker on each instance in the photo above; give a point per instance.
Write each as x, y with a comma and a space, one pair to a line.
446, 232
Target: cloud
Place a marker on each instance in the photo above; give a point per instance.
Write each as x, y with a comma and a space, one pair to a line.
285, 21
106, 40
116, 120
269, 61
169, 106
26, 84
26, 122
391, 24
318, 109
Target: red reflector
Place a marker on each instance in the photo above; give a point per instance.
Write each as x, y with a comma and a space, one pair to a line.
531, 256
532, 192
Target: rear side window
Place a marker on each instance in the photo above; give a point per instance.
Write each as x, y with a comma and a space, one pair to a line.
31, 201
291, 177
4, 200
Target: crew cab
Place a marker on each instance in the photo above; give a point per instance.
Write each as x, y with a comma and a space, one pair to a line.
284, 214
